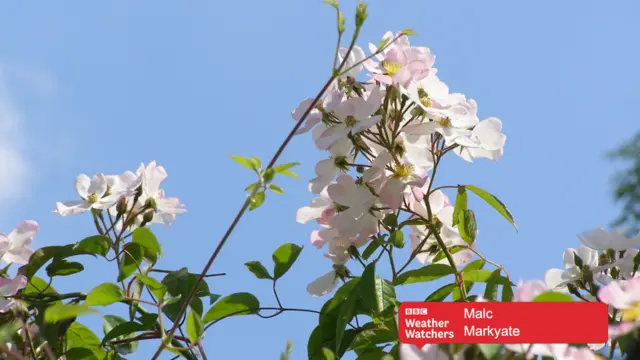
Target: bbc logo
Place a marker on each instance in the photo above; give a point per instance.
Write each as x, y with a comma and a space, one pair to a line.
416, 311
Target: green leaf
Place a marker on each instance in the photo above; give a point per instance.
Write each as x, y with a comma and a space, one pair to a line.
484, 276
256, 200
37, 286
490, 350
256, 161
391, 220
44, 254
179, 284
97, 244
397, 239
81, 353
60, 312
552, 296
442, 293
283, 258
345, 314
370, 249
377, 294
328, 354
251, 187
9, 328
494, 202
411, 222
63, 268
461, 204
258, 269
472, 266
147, 239
428, 273
121, 330
156, 287
79, 336
276, 189
248, 163
491, 289
283, 169
111, 322
231, 305
507, 293
131, 260
408, 32
467, 226
195, 327
104, 294
268, 175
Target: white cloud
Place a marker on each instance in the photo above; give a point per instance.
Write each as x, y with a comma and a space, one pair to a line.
14, 164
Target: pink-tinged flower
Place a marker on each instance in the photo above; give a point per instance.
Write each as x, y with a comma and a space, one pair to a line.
557, 279
355, 56
427, 352
14, 248
321, 209
9, 287
574, 353
165, 208
324, 284
400, 64
415, 160
599, 239
355, 220
528, 290
442, 211
326, 170
533, 350
329, 103
622, 328
621, 295
484, 141
354, 115
92, 191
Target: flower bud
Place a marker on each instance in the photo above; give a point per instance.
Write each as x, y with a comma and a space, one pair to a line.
121, 206
148, 216
361, 14
603, 259
360, 169
573, 289
151, 204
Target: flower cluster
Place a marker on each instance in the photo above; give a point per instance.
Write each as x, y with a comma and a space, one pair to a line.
604, 268
384, 135
138, 194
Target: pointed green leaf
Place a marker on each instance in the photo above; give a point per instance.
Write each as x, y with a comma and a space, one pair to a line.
195, 327
258, 269
507, 293
60, 312
63, 268
461, 204
442, 293
156, 287
111, 322
397, 239
276, 189
467, 226
97, 244
104, 294
370, 249
147, 239
232, 305
283, 259
552, 296
132, 256
491, 289
248, 163
256, 200
428, 273
484, 276
494, 202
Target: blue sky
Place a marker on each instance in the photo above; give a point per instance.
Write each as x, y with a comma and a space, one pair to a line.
101, 86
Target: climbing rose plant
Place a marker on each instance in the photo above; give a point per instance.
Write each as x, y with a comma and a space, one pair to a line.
386, 121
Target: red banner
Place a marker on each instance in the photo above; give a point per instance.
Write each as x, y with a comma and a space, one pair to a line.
423, 323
